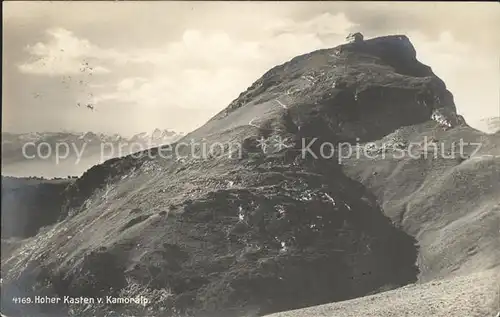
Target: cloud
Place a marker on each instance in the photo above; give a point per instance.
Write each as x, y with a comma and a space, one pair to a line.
324, 24
195, 58
466, 71
64, 54
209, 68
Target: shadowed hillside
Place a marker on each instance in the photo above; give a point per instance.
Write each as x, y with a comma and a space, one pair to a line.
29, 204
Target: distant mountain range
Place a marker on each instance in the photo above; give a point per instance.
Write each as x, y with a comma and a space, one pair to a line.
157, 136
59, 154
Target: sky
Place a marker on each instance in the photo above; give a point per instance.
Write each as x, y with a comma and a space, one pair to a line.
172, 65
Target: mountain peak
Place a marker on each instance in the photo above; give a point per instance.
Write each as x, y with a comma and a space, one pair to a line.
364, 89
395, 44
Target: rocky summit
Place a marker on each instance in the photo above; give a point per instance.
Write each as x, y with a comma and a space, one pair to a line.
303, 198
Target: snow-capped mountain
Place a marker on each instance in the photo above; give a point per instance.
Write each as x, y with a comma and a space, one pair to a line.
157, 136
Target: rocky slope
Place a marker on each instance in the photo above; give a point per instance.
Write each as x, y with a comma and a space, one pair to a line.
259, 224
474, 295
445, 193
